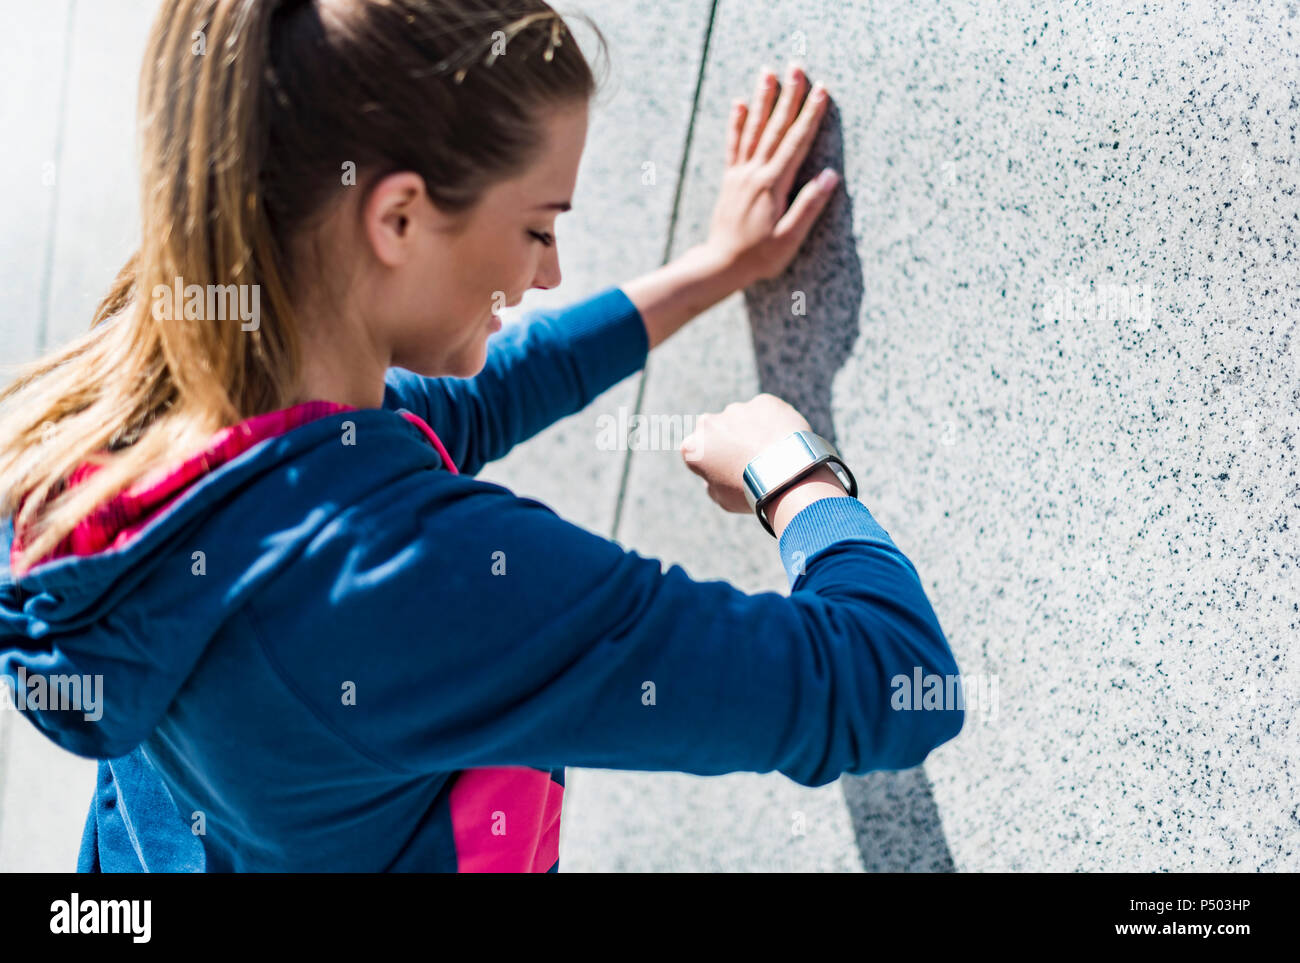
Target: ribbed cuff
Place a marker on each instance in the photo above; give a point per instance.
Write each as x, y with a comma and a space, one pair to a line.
608, 338
823, 523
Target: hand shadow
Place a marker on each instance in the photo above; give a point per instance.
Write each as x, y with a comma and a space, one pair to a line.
804, 323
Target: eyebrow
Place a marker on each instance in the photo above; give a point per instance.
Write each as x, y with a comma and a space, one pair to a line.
560, 206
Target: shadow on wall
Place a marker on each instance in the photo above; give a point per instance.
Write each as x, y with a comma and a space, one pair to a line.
896, 823
798, 352
799, 348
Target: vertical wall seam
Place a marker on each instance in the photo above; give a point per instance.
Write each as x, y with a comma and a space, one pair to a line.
668, 250
42, 335
52, 219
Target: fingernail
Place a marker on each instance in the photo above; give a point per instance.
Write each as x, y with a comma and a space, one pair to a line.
827, 179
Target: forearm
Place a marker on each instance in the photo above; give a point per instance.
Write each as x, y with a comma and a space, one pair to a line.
686, 286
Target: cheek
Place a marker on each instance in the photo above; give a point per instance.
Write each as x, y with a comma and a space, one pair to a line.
494, 278
517, 263
489, 272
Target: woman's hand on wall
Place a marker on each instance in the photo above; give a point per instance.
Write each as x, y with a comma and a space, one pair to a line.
767, 141
753, 235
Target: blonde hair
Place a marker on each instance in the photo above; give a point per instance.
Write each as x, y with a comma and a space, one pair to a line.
242, 143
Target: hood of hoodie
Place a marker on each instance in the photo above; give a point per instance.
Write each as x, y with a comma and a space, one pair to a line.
96, 640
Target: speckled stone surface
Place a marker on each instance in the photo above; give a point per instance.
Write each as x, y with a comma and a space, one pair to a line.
35, 38
79, 66
97, 222
896, 822
1051, 324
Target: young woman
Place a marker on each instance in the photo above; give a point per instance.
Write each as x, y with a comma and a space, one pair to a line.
321, 642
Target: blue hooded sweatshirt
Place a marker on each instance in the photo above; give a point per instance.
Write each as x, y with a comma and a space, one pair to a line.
338, 650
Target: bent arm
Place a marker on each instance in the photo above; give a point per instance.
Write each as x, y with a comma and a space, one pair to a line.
546, 367
498, 634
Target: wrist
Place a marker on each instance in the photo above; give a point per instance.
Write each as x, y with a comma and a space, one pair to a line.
685, 287
817, 484
724, 266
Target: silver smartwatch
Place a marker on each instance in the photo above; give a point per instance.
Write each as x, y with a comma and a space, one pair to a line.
780, 465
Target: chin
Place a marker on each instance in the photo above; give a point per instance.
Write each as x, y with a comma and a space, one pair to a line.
468, 371
470, 365
465, 364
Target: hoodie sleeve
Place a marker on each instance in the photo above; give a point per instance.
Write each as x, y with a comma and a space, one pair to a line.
543, 368
498, 634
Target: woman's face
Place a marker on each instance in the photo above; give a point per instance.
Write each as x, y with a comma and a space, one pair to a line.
440, 300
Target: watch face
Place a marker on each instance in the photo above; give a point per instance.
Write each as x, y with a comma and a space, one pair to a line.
784, 463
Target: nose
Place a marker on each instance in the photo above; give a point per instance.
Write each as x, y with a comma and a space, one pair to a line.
548, 271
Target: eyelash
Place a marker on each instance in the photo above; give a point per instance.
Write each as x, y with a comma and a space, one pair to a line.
547, 239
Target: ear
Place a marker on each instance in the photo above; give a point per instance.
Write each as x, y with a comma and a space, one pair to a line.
395, 204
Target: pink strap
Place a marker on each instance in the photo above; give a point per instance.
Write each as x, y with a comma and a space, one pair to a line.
433, 437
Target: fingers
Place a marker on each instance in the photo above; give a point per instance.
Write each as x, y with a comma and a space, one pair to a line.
761, 107
794, 147
804, 211
739, 110
792, 95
